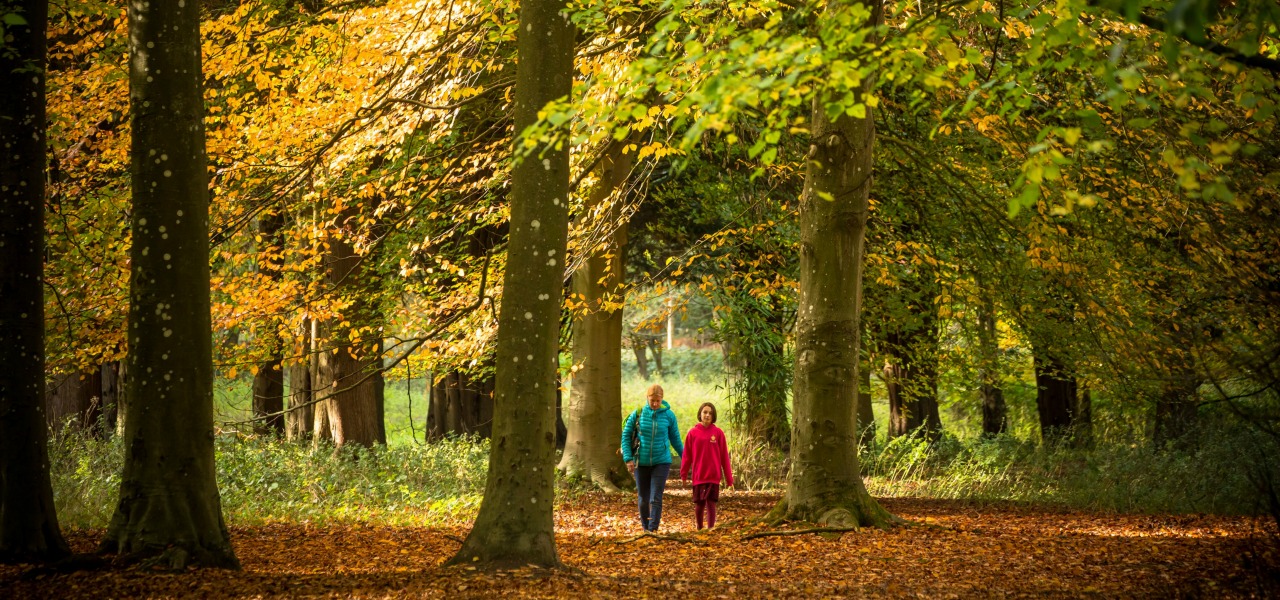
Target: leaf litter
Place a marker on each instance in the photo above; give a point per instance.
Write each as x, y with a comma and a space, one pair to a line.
950, 549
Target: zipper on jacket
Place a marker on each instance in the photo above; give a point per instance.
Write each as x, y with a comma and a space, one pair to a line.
653, 433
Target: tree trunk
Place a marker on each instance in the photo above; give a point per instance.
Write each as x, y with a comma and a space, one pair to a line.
642, 359
485, 428
515, 524
300, 422
111, 395
354, 383
75, 400
1177, 409
995, 420
593, 430
911, 376
28, 524
562, 430
268, 381
824, 484
655, 349
169, 505
1057, 398
866, 416
350, 372
437, 407
268, 398
453, 402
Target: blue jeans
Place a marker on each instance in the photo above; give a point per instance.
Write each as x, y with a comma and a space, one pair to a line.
650, 483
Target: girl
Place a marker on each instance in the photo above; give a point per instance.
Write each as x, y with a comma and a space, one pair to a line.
707, 457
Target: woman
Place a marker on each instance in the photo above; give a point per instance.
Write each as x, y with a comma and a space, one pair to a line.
650, 461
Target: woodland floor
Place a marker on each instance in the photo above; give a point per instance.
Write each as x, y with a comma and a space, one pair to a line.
952, 549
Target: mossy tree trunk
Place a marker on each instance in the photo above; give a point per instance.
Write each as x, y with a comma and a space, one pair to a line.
28, 524
595, 400
515, 525
824, 484
169, 509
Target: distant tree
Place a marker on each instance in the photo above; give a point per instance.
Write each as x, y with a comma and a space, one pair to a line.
28, 524
268, 380
595, 400
169, 510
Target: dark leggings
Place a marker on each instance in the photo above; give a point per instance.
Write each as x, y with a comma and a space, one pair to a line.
650, 483
710, 506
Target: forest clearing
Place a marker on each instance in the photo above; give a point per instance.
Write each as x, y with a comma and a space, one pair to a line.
402, 298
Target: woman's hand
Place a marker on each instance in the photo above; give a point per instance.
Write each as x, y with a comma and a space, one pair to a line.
631, 466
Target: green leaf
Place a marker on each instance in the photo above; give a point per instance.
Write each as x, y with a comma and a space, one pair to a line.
13, 19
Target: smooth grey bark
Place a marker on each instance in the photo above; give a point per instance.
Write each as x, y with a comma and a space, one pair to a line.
593, 429
824, 484
169, 510
515, 524
28, 523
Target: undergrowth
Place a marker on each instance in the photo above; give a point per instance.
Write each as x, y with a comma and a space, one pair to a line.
264, 480
1217, 475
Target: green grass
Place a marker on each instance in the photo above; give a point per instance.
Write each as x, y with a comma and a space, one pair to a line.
1218, 475
265, 480
411, 482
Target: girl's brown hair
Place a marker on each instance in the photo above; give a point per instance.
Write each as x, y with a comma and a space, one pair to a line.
713, 412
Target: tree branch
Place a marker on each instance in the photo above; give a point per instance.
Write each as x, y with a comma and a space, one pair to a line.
762, 534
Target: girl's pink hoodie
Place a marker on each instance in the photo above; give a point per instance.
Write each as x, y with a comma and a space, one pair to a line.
706, 454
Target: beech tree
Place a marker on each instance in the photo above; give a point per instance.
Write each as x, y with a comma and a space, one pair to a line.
595, 400
169, 509
515, 524
28, 524
824, 484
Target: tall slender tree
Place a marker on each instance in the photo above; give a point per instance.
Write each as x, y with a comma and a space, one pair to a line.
169, 510
824, 484
28, 523
515, 524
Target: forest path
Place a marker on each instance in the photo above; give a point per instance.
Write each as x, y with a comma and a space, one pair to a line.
954, 549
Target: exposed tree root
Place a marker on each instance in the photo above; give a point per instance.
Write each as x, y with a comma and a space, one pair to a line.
798, 532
